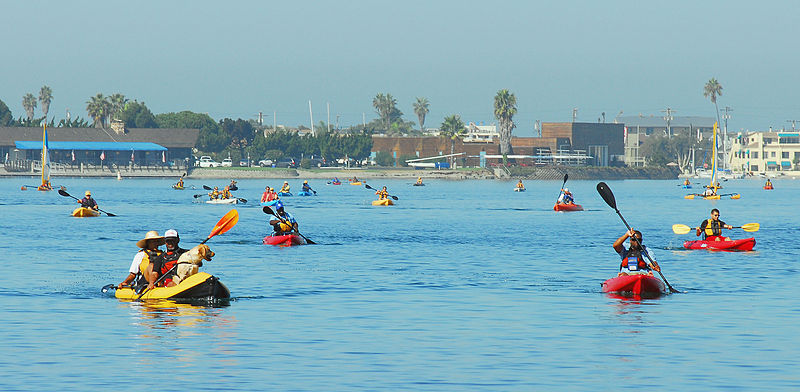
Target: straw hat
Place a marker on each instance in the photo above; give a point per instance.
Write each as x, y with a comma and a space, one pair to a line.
151, 235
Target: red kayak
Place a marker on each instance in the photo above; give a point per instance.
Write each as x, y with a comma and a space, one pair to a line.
636, 284
711, 244
567, 207
284, 240
768, 188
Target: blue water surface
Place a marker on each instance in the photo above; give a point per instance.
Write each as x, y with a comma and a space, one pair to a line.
462, 285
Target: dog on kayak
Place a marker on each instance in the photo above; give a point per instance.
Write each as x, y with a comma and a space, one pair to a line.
191, 261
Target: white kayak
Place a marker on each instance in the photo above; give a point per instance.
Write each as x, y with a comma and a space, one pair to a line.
232, 200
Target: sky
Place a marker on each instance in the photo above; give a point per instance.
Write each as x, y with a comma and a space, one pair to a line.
234, 59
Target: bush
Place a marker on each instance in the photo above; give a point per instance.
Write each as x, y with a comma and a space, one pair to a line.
383, 158
403, 158
305, 163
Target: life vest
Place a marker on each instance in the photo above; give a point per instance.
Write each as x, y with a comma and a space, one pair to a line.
170, 259
633, 261
146, 259
88, 202
712, 228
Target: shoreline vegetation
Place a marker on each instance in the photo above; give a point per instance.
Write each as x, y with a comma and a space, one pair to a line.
500, 173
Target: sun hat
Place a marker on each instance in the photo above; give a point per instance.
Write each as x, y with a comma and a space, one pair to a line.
171, 233
151, 235
87, 193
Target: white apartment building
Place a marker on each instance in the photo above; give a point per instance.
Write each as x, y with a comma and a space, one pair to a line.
761, 152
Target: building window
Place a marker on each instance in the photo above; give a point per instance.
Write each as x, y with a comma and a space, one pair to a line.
755, 154
772, 154
785, 155
797, 156
753, 167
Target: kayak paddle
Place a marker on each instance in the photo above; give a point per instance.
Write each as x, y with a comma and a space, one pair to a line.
608, 197
64, 193
566, 175
224, 224
243, 201
269, 211
683, 229
208, 188
369, 187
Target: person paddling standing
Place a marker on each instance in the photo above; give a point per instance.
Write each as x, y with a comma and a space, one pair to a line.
88, 202
137, 273
633, 260
712, 228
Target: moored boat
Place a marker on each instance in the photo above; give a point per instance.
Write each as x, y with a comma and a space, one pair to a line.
284, 240
198, 286
232, 200
383, 202
744, 244
644, 285
567, 207
83, 212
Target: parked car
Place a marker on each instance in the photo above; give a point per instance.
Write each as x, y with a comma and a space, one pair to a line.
206, 161
227, 162
287, 163
318, 162
265, 163
245, 163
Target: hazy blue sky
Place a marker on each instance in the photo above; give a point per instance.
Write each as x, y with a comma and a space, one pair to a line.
233, 59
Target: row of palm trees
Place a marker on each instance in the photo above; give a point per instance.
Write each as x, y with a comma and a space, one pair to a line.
102, 109
29, 102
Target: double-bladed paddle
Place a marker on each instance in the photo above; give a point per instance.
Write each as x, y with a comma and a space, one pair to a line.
224, 224
608, 197
269, 211
683, 229
369, 187
64, 193
566, 175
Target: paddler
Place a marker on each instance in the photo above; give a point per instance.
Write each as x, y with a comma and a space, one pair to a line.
88, 202
233, 185
686, 182
520, 186
226, 193
137, 273
306, 187
214, 194
419, 181
164, 263
566, 197
633, 258
284, 223
265, 195
712, 228
46, 186
285, 188
383, 194
710, 190
180, 182
768, 184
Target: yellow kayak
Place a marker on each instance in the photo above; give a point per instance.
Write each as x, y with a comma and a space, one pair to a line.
83, 212
384, 202
198, 286
355, 183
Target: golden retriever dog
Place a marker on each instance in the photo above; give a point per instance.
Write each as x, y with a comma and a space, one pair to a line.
191, 261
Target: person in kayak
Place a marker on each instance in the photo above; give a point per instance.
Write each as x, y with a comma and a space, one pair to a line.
336, 180
306, 187
46, 186
164, 263
710, 190
285, 188
284, 223
233, 185
383, 194
768, 184
633, 259
214, 194
267, 195
712, 228
88, 202
137, 273
226, 193
180, 183
686, 182
566, 197
354, 179
419, 181
520, 186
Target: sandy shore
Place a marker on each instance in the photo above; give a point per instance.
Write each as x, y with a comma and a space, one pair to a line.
342, 174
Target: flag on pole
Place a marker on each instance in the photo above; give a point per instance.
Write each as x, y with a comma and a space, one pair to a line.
73, 155
163, 157
132, 157
103, 156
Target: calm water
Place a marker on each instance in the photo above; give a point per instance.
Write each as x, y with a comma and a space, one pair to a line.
460, 286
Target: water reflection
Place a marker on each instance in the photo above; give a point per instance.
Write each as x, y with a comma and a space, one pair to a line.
161, 314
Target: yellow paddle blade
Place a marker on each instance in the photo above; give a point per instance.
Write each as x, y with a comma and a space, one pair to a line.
689, 197
736, 196
226, 223
751, 226
681, 229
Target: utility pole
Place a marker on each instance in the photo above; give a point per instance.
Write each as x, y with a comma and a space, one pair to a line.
574, 114
364, 120
726, 116
311, 114
329, 117
668, 118
794, 123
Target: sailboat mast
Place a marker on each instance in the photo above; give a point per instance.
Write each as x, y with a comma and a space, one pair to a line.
714, 156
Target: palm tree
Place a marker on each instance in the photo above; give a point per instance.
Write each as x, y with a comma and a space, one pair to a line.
712, 90
505, 107
421, 109
386, 106
118, 102
45, 97
452, 128
98, 107
29, 104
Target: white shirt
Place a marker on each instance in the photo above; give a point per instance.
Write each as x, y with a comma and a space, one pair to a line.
136, 261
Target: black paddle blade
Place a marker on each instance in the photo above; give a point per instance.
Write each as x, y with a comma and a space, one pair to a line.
109, 214
267, 210
208, 188
242, 200
108, 287
64, 193
566, 175
198, 195
368, 187
394, 197
605, 192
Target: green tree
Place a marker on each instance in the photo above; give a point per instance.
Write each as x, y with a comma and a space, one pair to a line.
118, 102
661, 150
452, 128
421, 109
136, 115
240, 132
505, 107
384, 158
45, 97
712, 90
211, 138
6, 118
97, 107
29, 104
386, 107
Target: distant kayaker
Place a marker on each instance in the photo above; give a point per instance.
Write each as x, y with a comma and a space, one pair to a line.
419, 181
226, 193
284, 223
214, 194
768, 184
233, 185
633, 259
354, 179
383, 194
265, 195
336, 180
686, 182
137, 273
88, 202
285, 188
566, 197
710, 191
46, 186
520, 186
306, 187
180, 183
164, 263
712, 228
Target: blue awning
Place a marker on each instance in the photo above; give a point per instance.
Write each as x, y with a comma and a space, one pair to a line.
772, 163
91, 146
789, 135
786, 164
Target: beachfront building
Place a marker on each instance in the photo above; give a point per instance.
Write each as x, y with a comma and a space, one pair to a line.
638, 128
762, 152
